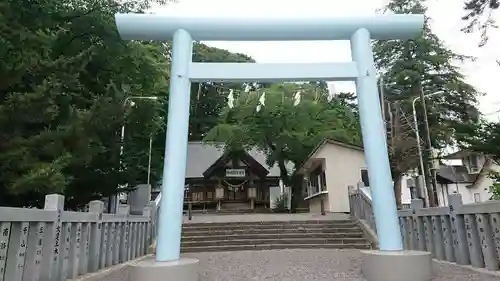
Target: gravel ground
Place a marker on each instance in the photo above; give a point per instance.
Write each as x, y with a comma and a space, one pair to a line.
304, 265
280, 265
298, 265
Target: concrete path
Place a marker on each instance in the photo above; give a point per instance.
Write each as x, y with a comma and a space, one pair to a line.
262, 217
298, 265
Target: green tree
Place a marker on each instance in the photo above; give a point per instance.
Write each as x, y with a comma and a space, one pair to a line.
65, 76
425, 64
208, 99
283, 131
484, 137
402, 147
479, 17
65, 73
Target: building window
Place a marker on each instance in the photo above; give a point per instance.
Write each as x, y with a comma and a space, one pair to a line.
473, 163
413, 192
322, 178
364, 177
436, 197
477, 197
446, 193
314, 184
317, 181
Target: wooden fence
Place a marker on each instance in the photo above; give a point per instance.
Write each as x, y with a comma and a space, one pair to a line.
56, 245
466, 234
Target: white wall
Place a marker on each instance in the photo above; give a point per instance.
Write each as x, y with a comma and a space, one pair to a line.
468, 193
343, 168
482, 186
315, 204
405, 191
469, 190
480, 162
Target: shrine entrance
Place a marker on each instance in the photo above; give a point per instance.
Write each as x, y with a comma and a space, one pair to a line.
236, 190
235, 181
359, 30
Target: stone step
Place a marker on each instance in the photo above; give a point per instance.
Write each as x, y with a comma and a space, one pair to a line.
222, 231
257, 223
267, 226
288, 241
358, 234
274, 246
224, 212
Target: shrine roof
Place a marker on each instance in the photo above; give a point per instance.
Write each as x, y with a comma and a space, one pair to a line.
200, 156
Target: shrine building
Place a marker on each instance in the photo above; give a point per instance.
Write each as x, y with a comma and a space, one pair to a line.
229, 180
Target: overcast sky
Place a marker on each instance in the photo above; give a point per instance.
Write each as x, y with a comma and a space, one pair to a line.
446, 15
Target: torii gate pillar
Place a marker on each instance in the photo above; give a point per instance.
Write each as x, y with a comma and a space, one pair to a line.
391, 263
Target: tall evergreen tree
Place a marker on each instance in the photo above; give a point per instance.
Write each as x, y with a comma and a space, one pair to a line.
484, 137
479, 17
426, 64
209, 99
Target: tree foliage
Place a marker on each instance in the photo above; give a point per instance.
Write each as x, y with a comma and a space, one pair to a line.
402, 146
283, 131
65, 74
483, 138
208, 99
65, 77
424, 64
479, 17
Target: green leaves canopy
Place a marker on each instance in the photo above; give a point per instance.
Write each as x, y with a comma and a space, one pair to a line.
409, 66
286, 133
65, 76
479, 17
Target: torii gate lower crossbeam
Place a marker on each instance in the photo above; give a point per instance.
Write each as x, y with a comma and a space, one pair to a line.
386, 264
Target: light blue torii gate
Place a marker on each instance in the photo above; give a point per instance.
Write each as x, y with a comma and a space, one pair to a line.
183, 30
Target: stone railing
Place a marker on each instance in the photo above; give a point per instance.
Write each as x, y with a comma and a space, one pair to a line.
466, 234
53, 244
361, 206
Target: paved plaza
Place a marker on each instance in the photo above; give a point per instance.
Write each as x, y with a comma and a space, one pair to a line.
300, 265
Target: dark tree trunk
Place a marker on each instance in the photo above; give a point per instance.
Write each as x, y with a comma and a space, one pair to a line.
397, 190
296, 192
283, 172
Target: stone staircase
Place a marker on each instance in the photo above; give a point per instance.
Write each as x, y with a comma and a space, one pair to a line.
239, 236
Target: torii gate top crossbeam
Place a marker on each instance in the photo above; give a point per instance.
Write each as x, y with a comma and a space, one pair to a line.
161, 27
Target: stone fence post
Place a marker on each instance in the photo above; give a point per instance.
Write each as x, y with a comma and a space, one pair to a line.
457, 225
96, 207
147, 212
124, 210
51, 268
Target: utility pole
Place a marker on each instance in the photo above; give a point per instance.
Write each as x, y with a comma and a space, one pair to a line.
395, 141
431, 171
382, 97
